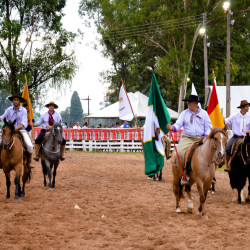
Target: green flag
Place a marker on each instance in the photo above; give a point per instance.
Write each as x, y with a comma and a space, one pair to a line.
156, 120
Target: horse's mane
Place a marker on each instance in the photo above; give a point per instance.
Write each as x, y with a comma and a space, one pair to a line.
216, 130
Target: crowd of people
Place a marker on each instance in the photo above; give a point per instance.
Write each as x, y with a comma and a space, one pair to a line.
86, 125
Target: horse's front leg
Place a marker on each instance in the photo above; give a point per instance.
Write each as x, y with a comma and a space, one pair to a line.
203, 195
49, 170
8, 183
44, 173
54, 174
190, 200
239, 195
17, 184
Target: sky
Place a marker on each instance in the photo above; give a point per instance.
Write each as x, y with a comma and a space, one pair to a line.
87, 81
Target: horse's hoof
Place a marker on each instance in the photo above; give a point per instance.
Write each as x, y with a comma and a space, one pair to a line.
198, 213
178, 210
205, 217
51, 188
22, 196
15, 200
189, 210
213, 192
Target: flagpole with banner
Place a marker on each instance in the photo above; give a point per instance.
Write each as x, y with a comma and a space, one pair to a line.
213, 109
30, 114
154, 129
124, 111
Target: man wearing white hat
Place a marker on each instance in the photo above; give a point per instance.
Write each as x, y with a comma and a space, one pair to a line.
48, 119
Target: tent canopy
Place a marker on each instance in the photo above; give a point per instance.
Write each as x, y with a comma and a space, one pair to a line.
139, 104
237, 94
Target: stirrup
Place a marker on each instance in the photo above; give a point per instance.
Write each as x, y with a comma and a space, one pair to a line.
184, 182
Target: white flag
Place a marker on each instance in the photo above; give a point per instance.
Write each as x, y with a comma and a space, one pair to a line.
125, 112
194, 92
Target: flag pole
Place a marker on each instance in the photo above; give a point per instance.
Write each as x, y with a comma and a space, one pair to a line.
133, 115
32, 132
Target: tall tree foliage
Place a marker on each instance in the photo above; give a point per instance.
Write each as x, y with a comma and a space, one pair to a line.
33, 42
148, 36
76, 111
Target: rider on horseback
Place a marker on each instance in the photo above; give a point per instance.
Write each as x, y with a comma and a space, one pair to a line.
196, 126
19, 113
48, 119
240, 124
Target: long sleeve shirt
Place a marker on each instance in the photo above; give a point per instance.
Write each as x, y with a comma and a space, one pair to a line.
20, 115
44, 119
240, 123
194, 124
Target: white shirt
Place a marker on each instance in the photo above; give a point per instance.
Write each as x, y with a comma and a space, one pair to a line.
20, 115
44, 119
76, 127
240, 123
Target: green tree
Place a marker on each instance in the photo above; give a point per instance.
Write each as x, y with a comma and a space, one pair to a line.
142, 37
76, 111
33, 42
4, 102
65, 115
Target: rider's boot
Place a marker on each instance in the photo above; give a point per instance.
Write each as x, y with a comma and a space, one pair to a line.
62, 152
29, 160
228, 166
36, 151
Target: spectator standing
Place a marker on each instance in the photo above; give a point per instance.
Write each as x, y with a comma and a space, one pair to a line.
77, 126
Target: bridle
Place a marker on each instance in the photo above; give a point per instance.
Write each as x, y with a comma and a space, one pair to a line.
218, 159
13, 141
59, 144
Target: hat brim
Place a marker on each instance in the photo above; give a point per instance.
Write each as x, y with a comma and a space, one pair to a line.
241, 106
16, 96
53, 104
190, 100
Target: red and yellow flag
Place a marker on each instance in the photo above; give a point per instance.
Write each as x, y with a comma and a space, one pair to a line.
213, 109
28, 105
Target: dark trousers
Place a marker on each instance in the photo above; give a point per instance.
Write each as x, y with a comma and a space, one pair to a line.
230, 144
41, 136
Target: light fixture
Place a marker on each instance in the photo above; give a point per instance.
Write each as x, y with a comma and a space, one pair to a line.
202, 31
226, 6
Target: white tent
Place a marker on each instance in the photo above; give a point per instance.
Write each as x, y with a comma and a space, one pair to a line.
237, 94
139, 104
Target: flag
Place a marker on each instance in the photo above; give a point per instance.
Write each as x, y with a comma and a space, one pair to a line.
213, 109
125, 112
156, 120
194, 92
28, 105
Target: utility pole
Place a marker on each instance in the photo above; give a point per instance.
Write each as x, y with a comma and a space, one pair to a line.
87, 99
228, 64
205, 59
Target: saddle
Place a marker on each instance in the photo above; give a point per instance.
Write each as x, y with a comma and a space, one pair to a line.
235, 148
189, 153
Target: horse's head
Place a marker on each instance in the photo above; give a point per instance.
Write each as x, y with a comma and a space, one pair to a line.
246, 148
57, 132
219, 137
8, 132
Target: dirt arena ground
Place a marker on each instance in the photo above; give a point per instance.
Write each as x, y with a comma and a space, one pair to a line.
104, 201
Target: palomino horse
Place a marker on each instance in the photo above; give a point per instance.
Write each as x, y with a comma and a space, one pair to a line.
240, 168
14, 158
51, 152
201, 169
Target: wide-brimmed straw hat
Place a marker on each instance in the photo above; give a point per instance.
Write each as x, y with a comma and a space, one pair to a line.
16, 96
51, 103
192, 98
243, 103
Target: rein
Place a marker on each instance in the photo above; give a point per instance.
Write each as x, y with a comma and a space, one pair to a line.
10, 147
245, 163
51, 152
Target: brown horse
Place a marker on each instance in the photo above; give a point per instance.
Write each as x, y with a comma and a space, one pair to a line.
201, 169
14, 158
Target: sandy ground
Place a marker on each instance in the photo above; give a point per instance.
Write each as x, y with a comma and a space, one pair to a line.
118, 208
